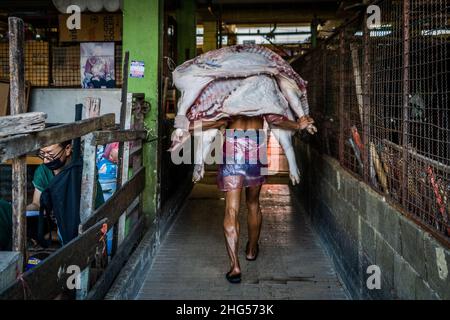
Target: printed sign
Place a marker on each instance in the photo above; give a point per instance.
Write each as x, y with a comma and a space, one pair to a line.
137, 69
93, 27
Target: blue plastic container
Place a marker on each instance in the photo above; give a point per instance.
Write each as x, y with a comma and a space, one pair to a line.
107, 177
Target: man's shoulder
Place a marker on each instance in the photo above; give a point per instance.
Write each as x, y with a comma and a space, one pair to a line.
42, 169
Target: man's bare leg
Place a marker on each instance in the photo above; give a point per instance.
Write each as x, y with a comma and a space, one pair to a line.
231, 228
254, 219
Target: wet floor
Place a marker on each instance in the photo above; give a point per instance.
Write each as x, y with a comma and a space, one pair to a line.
192, 260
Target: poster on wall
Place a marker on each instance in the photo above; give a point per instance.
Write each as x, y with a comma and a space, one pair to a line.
97, 65
137, 69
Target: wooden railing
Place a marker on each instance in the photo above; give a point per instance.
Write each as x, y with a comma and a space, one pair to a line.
49, 278
54, 276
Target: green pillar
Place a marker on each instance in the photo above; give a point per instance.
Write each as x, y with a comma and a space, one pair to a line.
186, 30
142, 37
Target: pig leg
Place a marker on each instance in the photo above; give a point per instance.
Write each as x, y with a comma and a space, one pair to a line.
201, 152
284, 139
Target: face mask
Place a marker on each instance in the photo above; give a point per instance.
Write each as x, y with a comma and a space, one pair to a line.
55, 164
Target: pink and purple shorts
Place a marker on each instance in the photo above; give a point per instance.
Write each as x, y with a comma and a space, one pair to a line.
243, 160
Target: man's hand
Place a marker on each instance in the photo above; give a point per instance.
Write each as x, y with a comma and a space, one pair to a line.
306, 122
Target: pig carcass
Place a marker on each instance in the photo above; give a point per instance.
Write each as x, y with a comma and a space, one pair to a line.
247, 80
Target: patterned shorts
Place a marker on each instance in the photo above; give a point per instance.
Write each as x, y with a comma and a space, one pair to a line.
243, 160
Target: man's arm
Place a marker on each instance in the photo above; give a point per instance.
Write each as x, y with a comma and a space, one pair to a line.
35, 205
284, 123
205, 125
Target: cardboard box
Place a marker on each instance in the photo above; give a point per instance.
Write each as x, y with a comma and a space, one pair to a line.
4, 98
94, 27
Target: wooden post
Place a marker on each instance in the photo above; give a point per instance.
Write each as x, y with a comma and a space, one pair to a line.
17, 103
88, 181
88, 184
124, 148
124, 163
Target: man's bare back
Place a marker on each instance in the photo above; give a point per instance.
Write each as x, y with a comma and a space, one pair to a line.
245, 123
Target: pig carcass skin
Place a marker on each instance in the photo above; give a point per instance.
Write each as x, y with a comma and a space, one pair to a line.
237, 80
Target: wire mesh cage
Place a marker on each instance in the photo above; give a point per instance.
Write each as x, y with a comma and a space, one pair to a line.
390, 84
49, 63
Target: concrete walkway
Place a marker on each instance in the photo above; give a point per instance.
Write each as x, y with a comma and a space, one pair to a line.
192, 261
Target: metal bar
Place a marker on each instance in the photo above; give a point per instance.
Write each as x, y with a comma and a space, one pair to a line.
436, 164
17, 105
405, 93
369, 172
265, 33
341, 95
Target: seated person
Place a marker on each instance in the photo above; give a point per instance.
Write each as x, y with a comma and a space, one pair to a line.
56, 158
5, 226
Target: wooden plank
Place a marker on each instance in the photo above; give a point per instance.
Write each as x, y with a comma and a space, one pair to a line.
19, 204
22, 144
124, 155
136, 149
30, 160
119, 202
22, 123
88, 183
92, 107
104, 137
16, 65
88, 179
17, 103
49, 278
105, 281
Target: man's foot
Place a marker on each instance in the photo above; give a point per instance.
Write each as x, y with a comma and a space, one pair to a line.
233, 278
248, 255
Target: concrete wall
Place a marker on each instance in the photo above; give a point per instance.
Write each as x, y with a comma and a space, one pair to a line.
359, 229
59, 104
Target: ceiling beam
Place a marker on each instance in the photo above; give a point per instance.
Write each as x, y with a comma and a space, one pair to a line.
257, 14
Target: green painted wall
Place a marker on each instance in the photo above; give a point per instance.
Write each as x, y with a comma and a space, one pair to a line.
142, 37
186, 30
